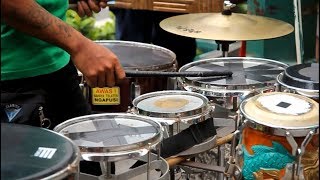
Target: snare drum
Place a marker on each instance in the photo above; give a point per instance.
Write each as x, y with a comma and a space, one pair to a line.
139, 57
301, 79
250, 76
35, 153
110, 137
274, 125
174, 107
169, 107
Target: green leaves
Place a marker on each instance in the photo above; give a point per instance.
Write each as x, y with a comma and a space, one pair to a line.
87, 26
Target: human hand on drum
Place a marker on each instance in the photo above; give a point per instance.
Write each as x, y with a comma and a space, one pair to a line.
87, 7
99, 66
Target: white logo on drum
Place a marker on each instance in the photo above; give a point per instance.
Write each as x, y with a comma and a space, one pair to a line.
43, 152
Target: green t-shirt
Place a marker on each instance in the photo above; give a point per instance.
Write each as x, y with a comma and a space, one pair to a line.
24, 56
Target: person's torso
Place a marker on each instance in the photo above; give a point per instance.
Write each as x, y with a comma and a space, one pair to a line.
25, 56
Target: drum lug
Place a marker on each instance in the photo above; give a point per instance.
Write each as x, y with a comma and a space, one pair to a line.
135, 91
277, 87
73, 168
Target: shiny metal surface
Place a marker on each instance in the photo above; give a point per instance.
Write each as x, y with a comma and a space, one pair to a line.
112, 136
141, 56
251, 76
305, 92
234, 27
168, 116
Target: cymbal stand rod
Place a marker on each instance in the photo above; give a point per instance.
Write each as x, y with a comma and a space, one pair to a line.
298, 31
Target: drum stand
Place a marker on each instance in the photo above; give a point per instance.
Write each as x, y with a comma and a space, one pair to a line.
153, 162
294, 171
232, 170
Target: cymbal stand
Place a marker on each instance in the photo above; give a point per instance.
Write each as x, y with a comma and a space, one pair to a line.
224, 45
227, 6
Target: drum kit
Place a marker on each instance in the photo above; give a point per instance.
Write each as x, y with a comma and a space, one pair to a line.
273, 108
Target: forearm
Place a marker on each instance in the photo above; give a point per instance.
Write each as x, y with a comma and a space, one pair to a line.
29, 17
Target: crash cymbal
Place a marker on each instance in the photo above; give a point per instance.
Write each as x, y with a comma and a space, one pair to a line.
234, 27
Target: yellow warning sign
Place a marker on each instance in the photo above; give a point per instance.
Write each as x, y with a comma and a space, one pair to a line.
106, 96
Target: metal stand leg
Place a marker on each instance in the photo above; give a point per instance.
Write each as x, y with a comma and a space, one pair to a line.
106, 169
294, 170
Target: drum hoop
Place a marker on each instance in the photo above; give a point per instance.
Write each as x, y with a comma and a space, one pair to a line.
167, 66
211, 87
315, 92
72, 167
213, 92
274, 130
121, 149
205, 107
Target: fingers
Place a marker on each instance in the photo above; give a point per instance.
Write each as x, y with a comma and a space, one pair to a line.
101, 79
85, 7
103, 4
94, 6
119, 73
80, 9
110, 79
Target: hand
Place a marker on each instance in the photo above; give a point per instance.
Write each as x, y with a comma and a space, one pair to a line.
99, 65
85, 7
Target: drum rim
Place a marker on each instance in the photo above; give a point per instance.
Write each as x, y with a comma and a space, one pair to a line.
253, 121
295, 78
115, 150
227, 88
167, 66
316, 92
205, 107
74, 161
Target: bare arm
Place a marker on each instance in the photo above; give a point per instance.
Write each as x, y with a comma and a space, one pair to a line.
99, 65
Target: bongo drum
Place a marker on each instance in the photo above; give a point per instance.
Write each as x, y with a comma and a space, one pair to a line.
276, 126
29, 152
250, 76
301, 79
110, 137
133, 56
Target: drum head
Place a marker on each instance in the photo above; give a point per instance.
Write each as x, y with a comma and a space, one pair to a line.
140, 56
113, 134
302, 76
247, 72
34, 153
281, 110
171, 104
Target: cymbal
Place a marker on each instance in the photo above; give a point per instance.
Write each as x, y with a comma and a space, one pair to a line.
234, 27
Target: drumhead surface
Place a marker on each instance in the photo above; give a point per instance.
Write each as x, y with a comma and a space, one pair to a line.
33, 153
281, 110
140, 56
304, 76
246, 72
111, 132
171, 104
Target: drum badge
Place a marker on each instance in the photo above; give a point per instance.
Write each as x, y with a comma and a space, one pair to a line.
11, 111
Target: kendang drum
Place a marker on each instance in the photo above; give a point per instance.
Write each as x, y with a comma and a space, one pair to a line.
301, 79
29, 152
110, 137
250, 76
138, 57
279, 130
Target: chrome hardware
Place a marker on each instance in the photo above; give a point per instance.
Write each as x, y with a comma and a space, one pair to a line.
44, 122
